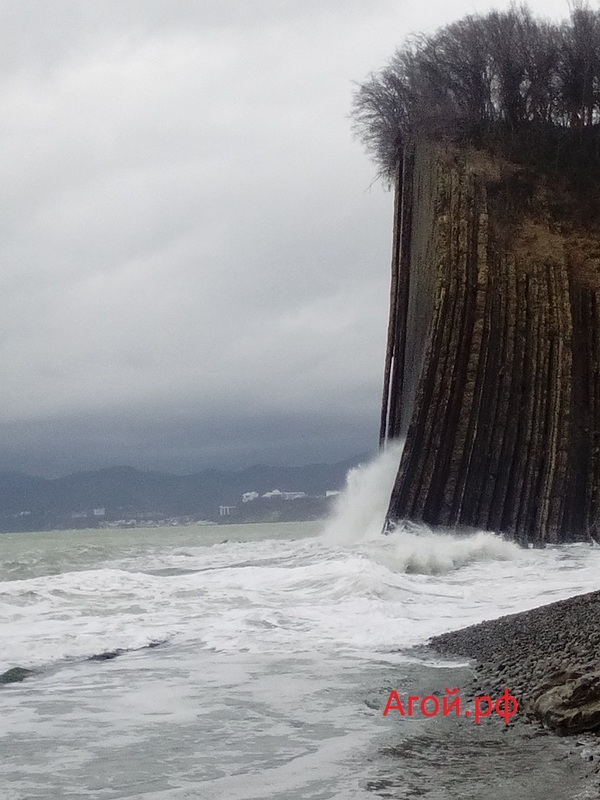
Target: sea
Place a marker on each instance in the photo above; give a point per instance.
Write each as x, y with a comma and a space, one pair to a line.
249, 661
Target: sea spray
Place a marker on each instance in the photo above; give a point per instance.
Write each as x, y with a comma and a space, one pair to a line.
417, 549
359, 515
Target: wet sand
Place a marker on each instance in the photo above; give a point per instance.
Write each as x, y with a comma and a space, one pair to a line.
446, 758
535, 654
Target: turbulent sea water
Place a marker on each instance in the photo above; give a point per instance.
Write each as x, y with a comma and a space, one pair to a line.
274, 648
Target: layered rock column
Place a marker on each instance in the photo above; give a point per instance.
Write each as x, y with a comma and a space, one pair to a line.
493, 360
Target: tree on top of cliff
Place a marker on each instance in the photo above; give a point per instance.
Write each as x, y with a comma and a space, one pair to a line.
487, 78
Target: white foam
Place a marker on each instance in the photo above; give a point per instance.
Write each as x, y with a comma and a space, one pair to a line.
348, 592
419, 550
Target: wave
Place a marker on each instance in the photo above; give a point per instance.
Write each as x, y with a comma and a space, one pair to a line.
416, 549
359, 517
350, 591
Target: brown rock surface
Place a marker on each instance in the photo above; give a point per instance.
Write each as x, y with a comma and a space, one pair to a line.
493, 364
572, 706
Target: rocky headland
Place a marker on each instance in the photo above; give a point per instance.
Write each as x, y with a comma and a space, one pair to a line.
496, 315
489, 132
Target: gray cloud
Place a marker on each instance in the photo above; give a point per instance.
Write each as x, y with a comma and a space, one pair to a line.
193, 267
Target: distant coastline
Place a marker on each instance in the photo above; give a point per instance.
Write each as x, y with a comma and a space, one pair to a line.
122, 497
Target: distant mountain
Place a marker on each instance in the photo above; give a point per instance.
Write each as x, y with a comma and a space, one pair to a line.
96, 497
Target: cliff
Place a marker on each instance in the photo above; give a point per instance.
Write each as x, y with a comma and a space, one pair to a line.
493, 366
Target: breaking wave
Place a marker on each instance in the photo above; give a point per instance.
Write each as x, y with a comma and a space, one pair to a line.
359, 513
359, 517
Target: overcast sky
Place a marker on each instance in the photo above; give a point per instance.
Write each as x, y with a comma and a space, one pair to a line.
194, 264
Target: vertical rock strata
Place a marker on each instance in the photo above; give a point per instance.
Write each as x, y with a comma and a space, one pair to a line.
493, 359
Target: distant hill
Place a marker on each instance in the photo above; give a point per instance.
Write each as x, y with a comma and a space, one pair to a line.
94, 498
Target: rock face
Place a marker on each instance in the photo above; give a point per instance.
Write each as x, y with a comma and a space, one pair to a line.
493, 365
572, 706
547, 658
